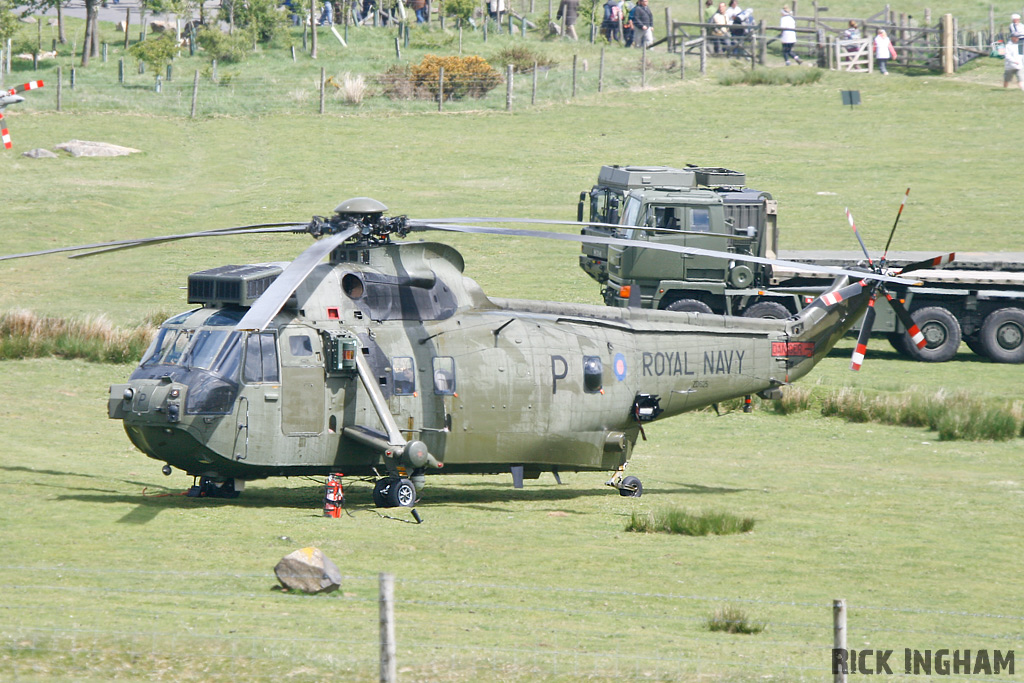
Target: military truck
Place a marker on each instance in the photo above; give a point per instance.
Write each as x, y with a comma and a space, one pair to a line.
978, 299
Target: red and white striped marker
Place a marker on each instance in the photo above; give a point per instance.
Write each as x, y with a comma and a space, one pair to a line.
4, 135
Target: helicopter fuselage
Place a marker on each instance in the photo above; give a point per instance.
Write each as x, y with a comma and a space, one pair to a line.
391, 344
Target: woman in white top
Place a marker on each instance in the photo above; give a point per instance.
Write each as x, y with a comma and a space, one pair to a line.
884, 50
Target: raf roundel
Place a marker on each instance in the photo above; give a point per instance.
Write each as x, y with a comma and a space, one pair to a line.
620, 367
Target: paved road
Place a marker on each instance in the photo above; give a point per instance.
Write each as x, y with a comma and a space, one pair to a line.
114, 11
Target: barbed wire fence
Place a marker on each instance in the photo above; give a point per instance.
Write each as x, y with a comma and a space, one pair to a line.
87, 622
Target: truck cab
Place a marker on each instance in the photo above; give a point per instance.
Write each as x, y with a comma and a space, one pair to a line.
702, 207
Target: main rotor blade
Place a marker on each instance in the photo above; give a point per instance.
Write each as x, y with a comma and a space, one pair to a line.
270, 302
894, 224
936, 262
865, 333
901, 312
416, 222
150, 241
31, 85
830, 299
618, 242
103, 245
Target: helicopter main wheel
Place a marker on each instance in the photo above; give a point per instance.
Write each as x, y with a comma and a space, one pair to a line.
380, 491
689, 306
631, 487
402, 494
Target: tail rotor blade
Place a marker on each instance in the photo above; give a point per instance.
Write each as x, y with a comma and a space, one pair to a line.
31, 85
4, 135
849, 217
892, 232
865, 333
912, 329
936, 262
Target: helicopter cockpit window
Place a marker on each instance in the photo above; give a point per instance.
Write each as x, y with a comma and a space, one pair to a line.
700, 220
444, 375
260, 359
403, 376
592, 374
300, 345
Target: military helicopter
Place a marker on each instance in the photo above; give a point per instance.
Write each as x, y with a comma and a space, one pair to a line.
388, 362
9, 97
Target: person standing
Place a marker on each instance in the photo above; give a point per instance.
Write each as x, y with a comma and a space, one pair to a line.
569, 10
719, 32
1013, 66
611, 21
643, 25
1016, 28
884, 51
788, 36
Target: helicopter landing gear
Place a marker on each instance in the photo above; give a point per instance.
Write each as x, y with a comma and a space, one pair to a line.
394, 492
629, 487
208, 487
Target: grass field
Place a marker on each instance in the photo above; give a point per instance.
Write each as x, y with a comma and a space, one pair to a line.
104, 576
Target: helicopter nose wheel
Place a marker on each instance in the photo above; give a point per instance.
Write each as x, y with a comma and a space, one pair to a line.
631, 487
394, 492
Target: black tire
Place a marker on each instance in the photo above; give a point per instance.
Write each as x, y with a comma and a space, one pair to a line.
688, 306
381, 490
631, 487
401, 494
901, 343
767, 309
974, 344
941, 332
1002, 335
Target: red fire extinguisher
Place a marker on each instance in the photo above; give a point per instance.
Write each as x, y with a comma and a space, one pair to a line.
334, 496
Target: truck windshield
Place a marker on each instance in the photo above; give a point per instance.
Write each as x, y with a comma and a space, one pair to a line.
631, 215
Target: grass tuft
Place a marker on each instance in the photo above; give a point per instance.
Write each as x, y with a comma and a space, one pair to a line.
763, 76
678, 521
23, 334
730, 619
795, 399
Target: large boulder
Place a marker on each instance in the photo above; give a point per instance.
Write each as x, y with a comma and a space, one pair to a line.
308, 570
85, 148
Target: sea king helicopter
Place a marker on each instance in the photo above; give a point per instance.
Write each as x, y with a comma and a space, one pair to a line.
386, 361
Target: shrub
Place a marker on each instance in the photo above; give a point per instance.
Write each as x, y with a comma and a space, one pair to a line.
23, 334
677, 521
397, 84
157, 52
260, 17
522, 58
730, 619
352, 89
222, 47
461, 9
764, 76
463, 76
795, 399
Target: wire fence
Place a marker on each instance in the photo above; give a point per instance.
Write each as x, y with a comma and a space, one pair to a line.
79, 622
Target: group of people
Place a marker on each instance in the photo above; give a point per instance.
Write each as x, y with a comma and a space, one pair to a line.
1013, 61
732, 23
635, 21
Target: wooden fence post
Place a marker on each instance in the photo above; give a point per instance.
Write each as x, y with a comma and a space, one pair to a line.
323, 88
703, 51
60, 78
127, 26
195, 94
533, 93
682, 62
388, 666
508, 87
575, 59
600, 72
440, 88
643, 64
839, 634
670, 37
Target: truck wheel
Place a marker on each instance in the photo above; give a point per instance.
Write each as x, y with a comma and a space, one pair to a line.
941, 333
1002, 335
689, 306
900, 343
767, 309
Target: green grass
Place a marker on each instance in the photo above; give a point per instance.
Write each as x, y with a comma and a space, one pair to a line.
677, 521
769, 76
26, 335
106, 571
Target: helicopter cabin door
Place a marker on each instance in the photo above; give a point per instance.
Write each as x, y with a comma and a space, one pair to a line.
302, 382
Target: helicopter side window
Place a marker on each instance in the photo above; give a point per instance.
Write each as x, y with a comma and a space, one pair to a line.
444, 376
592, 374
700, 220
261, 359
300, 345
402, 376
